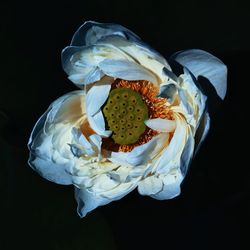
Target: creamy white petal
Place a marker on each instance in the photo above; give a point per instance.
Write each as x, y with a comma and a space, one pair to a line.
202, 63
96, 97
90, 75
192, 100
142, 154
89, 200
171, 186
127, 70
170, 157
96, 142
141, 54
97, 123
50, 153
150, 185
161, 125
81, 63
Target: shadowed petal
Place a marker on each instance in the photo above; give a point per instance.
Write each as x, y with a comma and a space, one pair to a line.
202, 63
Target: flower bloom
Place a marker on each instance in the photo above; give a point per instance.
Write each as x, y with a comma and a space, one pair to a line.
133, 124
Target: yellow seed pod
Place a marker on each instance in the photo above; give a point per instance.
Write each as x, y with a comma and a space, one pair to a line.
125, 113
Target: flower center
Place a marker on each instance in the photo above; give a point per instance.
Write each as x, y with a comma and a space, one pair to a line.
125, 113
122, 117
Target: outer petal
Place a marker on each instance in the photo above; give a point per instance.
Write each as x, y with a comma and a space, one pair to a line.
89, 199
90, 32
202, 63
95, 42
52, 129
150, 185
93, 32
171, 186
141, 54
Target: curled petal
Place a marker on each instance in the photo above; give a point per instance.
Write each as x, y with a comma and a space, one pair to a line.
126, 70
50, 154
161, 125
202, 63
89, 199
96, 97
142, 154
90, 32
141, 54
171, 186
94, 42
82, 63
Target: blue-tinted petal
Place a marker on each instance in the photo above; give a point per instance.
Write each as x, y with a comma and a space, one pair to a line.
202, 63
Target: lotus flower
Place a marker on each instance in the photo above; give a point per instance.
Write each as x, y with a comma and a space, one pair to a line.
134, 123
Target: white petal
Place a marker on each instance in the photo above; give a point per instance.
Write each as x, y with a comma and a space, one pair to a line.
142, 154
97, 123
161, 125
81, 63
96, 97
171, 187
91, 75
96, 141
82, 141
67, 108
50, 154
140, 53
202, 63
126, 70
50, 170
150, 185
89, 200
170, 157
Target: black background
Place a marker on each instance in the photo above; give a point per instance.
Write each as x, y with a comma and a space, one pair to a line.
213, 209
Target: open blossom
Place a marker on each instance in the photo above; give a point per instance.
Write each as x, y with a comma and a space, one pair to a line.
132, 124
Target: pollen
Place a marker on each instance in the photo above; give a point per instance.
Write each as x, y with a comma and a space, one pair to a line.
130, 103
